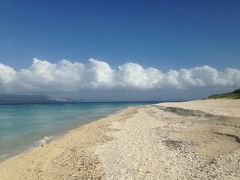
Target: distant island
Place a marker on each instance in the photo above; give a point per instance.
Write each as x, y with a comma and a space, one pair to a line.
28, 99
232, 95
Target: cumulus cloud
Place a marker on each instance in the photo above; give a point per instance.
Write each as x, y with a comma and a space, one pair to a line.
67, 76
7, 76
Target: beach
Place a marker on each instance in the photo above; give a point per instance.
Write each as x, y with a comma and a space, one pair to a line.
181, 140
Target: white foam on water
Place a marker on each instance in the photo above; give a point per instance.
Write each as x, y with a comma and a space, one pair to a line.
2, 156
43, 141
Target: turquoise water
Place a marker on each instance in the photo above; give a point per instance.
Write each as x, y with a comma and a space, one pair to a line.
29, 125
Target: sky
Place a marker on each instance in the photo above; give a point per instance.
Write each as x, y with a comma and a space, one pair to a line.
145, 49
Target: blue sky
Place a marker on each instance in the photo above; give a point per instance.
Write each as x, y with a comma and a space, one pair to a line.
163, 34
190, 45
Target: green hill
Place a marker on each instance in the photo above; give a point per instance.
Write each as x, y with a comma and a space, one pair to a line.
232, 95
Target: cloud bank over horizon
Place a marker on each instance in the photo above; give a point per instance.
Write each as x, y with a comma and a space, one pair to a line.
67, 76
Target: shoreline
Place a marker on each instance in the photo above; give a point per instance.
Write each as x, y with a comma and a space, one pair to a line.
20, 135
12, 163
196, 140
38, 144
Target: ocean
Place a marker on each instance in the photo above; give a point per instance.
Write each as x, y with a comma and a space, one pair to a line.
25, 126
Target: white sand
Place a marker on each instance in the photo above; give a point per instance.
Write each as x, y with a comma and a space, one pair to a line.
224, 107
154, 144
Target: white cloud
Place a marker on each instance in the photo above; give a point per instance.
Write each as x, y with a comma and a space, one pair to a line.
99, 74
73, 76
133, 75
7, 75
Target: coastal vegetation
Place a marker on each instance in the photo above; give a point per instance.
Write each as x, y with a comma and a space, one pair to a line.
232, 95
